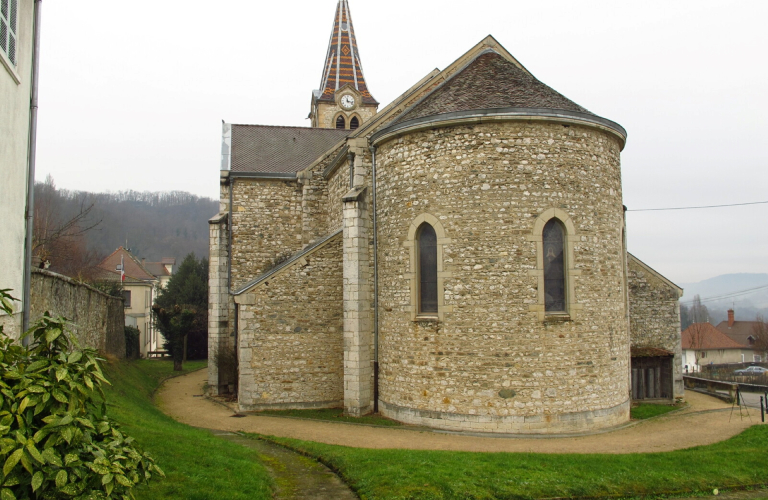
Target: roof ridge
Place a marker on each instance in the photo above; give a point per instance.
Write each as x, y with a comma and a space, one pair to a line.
288, 127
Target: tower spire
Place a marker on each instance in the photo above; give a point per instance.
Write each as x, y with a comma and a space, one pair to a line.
342, 61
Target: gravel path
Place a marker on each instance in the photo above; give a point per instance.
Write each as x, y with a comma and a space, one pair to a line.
707, 420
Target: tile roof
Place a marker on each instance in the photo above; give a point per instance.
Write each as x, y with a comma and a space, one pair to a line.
704, 336
342, 61
133, 267
490, 81
272, 149
739, 332
649, 352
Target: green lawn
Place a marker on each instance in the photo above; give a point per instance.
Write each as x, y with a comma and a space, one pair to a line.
443, 475
332, 415
645, 410
198, 466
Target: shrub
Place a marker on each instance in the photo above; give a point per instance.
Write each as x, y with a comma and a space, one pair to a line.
132, 345
55, 438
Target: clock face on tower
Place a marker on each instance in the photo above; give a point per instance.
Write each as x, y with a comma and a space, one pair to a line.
347, 101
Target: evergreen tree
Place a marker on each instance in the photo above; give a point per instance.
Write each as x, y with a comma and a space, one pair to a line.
181, 310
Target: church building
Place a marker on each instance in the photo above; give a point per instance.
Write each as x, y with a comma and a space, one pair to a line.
456, 259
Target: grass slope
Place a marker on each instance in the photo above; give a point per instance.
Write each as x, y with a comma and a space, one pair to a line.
443, 475
646, 410
198, 466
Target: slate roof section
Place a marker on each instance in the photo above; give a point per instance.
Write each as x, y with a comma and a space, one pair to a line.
490, 82
342, 61
156, 268
739, 332
707, 337
280, 150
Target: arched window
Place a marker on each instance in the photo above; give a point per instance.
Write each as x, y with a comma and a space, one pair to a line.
427, 269
340, 123
554, 266
354, 123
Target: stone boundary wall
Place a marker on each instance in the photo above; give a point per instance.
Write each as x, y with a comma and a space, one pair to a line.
98, 319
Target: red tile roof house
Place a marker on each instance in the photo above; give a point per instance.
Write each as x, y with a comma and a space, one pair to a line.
143, 282
743, 333
703, 344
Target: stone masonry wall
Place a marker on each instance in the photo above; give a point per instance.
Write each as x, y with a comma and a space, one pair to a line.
492, 364
291, 345
98, 319
266, 226
654, 315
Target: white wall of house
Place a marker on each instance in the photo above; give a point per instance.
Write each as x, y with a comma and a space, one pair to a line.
15, 92
139, 314
716, 357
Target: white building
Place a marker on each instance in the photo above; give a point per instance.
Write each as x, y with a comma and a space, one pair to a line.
17, 27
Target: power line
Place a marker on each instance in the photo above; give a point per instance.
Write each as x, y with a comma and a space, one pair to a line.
695, 208
727, 295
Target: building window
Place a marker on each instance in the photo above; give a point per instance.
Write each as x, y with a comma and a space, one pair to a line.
703, 354
553, 236
354, 123
127, 298
9, 12
426, 242
554, 266
427, 269
757, 358
340, 123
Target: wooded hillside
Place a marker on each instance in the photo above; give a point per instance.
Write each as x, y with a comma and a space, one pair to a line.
151, 225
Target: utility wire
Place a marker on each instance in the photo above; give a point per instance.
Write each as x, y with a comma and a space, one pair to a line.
694, 208
727, 295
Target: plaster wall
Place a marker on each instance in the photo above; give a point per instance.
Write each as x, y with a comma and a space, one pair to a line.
492, 362
15, 91
716, 357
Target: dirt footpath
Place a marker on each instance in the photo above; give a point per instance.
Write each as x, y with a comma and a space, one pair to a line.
706, 421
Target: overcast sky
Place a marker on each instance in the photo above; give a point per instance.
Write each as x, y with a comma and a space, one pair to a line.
132, 95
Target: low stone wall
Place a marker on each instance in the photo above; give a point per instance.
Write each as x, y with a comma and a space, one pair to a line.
98, 319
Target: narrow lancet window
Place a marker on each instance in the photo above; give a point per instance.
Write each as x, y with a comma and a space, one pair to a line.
427, 269
554, 266
340, 123
354, 123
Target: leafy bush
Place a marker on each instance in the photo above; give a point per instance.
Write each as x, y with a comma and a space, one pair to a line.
55, 438
132, 347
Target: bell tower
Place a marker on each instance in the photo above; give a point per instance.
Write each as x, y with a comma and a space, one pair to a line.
343, 100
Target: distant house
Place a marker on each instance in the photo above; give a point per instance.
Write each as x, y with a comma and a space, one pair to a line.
162, 270
743, 333
142, 284
703, 344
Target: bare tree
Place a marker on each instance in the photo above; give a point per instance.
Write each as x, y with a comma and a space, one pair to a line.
760, 333
59, 241
696, 334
